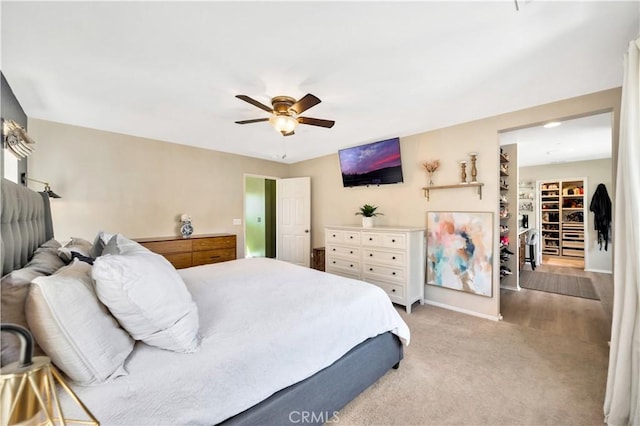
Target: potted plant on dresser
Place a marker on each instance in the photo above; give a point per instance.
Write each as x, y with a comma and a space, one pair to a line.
368, 213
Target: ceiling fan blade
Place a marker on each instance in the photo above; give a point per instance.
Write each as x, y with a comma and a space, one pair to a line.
306, 102
316, 122
288, 134
254, 102
255, 120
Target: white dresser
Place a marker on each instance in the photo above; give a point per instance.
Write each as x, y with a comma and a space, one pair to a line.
391, 257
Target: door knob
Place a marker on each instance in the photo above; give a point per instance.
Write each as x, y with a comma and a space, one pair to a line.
306, 231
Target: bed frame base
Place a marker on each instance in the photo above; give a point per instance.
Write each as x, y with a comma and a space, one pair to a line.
316, 400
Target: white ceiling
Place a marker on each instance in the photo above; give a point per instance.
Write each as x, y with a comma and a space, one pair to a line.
579, 139
170, 70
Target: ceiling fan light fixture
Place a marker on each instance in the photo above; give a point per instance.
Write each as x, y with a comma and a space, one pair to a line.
283, 123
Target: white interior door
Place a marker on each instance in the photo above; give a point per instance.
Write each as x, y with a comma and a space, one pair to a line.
294, 220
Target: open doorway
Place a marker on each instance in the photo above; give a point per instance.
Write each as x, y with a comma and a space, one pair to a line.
260, 206
557, 172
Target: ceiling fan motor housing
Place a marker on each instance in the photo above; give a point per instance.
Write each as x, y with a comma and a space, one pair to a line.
282, 105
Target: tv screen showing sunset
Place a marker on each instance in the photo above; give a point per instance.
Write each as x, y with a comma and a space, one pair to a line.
372, 164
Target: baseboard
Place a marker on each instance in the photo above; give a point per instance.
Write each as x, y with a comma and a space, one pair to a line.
510, 288
600, 271
463, 311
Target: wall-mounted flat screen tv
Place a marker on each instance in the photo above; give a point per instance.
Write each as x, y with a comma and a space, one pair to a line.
376, 163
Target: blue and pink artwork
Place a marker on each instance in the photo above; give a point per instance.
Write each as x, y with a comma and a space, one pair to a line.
460, 251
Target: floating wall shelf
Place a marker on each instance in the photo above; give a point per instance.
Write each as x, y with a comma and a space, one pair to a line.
458, 185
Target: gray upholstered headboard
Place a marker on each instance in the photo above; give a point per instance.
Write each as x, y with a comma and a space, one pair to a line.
25, 223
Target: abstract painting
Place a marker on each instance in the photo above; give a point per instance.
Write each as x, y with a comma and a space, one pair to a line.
460, 251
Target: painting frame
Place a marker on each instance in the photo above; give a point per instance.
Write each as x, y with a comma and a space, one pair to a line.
459, 251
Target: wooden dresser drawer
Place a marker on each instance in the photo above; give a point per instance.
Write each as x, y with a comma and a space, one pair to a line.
166, 247
214, 243
194, 251
213, 256
179, 260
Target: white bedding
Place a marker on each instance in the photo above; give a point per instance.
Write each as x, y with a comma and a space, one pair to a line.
265, 325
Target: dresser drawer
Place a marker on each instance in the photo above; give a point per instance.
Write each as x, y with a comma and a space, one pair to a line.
342, 237
179, 260
394, 291
343, 273
384, 272
214, 243
386, 257
372, 239
213, 256
344, 251
344, 264
165, 247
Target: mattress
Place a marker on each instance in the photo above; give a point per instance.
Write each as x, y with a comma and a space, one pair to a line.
265, 325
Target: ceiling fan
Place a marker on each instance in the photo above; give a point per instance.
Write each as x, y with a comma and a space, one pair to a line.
285, 114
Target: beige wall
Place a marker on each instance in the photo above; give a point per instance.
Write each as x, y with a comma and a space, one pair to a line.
596, 171
404, 204
137, 186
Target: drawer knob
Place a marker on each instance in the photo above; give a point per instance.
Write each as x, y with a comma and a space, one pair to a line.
350, 251
334, 235
371, 269
333, 249
370, 239
393, 273
393, 257
370, 254
393, 290
351, 237
333, 262
350, 266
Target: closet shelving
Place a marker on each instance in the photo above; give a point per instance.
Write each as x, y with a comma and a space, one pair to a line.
550, 217
526, 197
562, 217
505, 215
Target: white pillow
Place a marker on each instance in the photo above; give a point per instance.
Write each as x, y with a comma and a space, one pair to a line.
149, 299
119, 244
74, 329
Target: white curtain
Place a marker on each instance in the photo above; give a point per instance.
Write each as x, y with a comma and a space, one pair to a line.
622, 399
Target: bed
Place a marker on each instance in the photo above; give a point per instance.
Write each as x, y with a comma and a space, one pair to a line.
279, 343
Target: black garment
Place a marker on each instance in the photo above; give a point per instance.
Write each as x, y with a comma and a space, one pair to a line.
601, 207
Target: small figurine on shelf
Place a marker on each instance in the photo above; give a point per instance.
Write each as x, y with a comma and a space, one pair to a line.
186, 229
431, 167
474, 170
463, 171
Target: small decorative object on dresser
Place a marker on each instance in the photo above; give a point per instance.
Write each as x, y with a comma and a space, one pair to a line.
186, 229
391, 257
197, 250
368, 212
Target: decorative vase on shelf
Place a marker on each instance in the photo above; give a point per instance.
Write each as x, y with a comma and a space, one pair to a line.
186, 229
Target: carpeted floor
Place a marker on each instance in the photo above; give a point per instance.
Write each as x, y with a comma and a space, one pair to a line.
463, 370
568, 285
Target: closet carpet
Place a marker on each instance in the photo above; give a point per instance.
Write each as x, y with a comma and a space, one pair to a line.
464, 370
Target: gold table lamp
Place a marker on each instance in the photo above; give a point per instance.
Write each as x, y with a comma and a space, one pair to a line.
29, 389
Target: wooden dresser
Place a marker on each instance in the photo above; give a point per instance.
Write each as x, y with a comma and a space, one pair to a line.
193, 251
390, 257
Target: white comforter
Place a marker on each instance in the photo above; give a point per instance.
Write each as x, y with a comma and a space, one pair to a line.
265, 325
